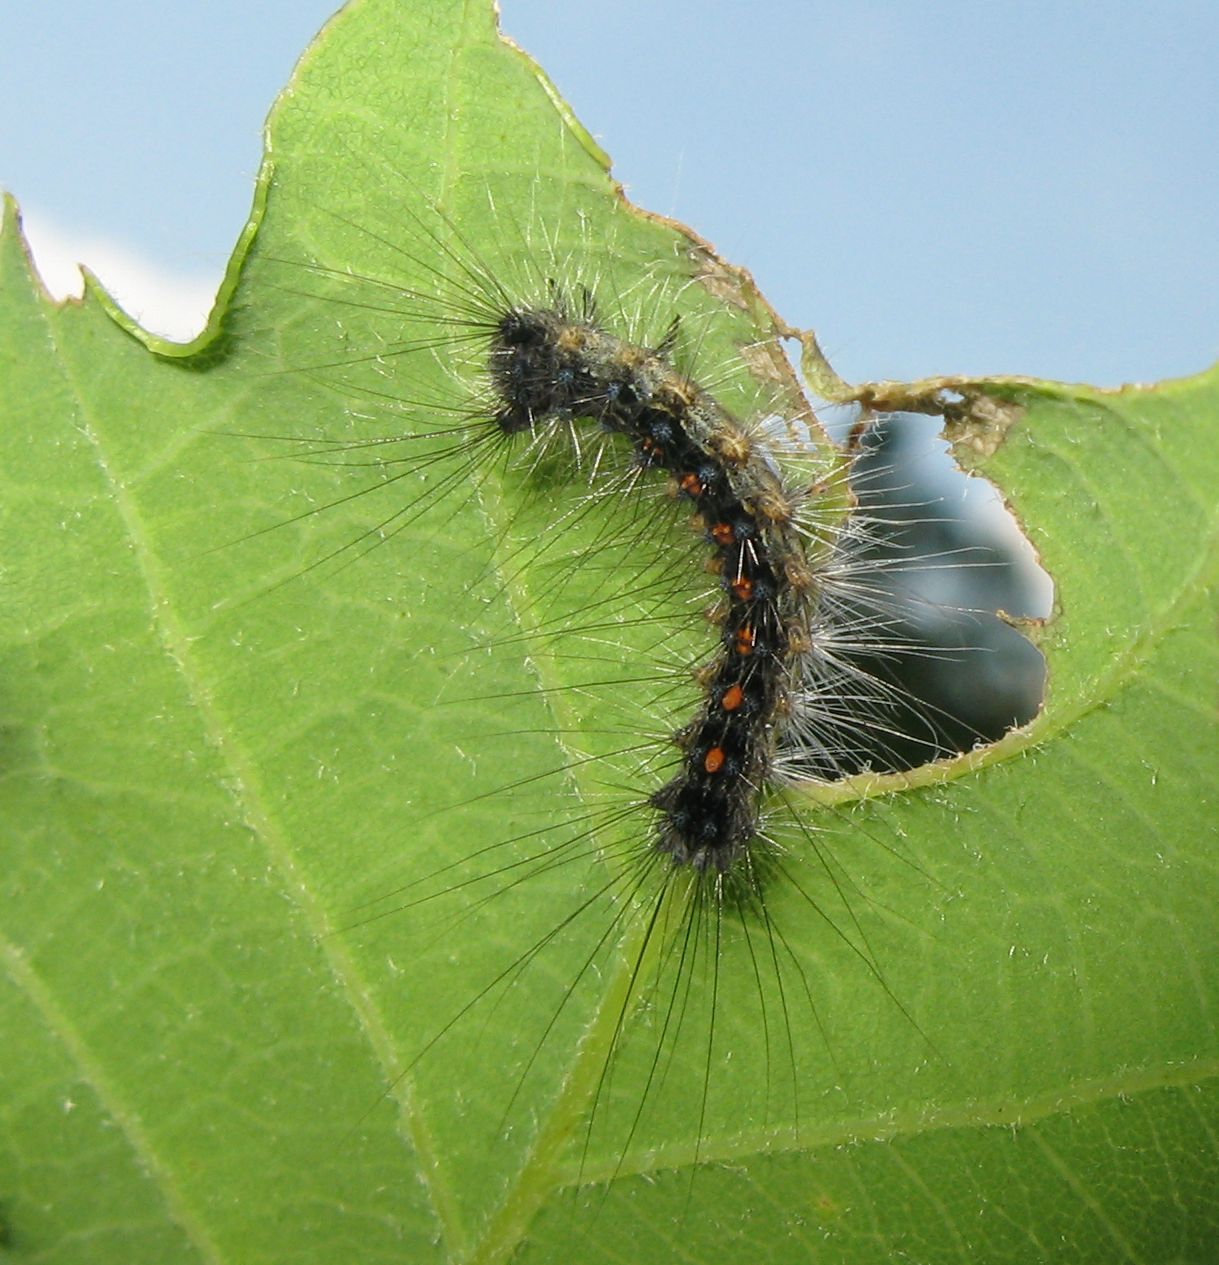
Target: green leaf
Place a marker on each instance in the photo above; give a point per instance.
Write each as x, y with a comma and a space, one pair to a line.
210, 762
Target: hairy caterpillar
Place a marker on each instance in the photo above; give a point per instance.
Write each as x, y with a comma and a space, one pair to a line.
565, 377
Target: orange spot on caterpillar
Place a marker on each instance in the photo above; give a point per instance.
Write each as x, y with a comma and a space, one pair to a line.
734, 696
746, 638
691, 485
742, 589
714, 760
723, 534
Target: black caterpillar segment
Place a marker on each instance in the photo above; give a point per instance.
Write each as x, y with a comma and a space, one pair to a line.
548, 363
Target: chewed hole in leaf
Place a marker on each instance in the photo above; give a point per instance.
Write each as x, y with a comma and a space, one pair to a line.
962, 577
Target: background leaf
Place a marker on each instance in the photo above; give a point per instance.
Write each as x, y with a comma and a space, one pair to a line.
203, 776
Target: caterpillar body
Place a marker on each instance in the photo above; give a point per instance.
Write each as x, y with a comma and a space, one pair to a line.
546, 364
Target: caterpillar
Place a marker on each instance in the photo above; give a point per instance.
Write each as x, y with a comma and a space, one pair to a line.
582, 403
553, 363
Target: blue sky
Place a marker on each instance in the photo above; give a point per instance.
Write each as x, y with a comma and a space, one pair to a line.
935, 187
